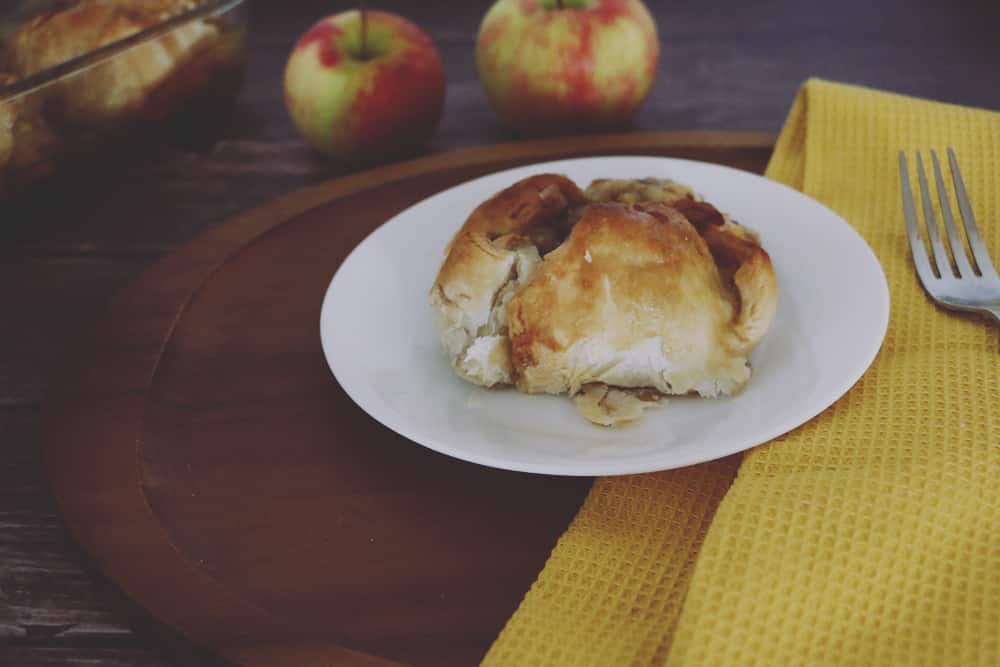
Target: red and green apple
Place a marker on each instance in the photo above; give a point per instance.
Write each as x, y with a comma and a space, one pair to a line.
364, 88
552, 65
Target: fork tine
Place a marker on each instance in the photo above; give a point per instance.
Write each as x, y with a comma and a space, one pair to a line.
957, 246
940, 254
920, 261
979, 252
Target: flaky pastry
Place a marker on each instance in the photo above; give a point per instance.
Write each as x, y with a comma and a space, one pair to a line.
494, 254
619, 296
124, 83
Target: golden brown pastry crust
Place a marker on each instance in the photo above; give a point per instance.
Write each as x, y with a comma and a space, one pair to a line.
744, 265
632, 298
614, 302
53, 38
530, 208
634, 191
124, 83
496, 251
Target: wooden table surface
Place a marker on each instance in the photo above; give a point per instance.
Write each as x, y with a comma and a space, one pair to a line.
726, 65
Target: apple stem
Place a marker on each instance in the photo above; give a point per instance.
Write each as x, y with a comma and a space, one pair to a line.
364, 30
559, 4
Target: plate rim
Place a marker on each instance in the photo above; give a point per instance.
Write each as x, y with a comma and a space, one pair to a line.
583, 469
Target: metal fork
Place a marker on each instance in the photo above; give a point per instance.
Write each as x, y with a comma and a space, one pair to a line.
965, 285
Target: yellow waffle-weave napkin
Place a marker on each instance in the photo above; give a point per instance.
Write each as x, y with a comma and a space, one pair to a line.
870, 535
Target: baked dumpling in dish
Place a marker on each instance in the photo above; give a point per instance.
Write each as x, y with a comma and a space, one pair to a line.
616, 304
124, 83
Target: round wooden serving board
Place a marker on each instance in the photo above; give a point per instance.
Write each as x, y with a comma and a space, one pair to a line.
205, 457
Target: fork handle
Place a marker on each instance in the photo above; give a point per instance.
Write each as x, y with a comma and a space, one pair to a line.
995, 312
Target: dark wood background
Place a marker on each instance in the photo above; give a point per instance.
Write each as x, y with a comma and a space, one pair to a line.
729, 64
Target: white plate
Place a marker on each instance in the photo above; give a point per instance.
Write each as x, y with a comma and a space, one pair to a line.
380, 339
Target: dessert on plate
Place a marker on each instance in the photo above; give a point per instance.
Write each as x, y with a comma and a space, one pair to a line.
618, 296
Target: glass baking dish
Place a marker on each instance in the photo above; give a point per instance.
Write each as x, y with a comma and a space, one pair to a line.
86, 75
